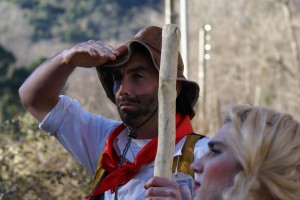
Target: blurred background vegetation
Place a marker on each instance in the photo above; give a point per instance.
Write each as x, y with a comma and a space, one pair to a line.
254, 59
32, 164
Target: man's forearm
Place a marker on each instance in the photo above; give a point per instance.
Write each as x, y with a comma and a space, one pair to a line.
39, 93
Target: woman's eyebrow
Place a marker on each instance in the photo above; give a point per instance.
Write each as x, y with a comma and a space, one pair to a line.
214, 143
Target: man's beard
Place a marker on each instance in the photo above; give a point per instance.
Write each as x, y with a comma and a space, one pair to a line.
143, 112
129, 117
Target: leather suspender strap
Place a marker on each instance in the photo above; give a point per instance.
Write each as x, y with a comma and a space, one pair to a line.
99, 171
183, 164
187, 155
121, 175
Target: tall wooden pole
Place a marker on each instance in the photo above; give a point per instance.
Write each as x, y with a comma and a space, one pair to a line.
202, 75
170, 15
167, 101
184, 36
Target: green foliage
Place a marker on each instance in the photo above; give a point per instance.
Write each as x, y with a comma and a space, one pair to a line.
6, 59
7, 101
29, 159
25, 4
32, 164
11, 79
76, 21
29, 164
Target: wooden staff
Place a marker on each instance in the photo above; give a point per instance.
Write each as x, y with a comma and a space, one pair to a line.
167, 101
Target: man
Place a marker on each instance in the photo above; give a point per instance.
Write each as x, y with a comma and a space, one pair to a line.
120, 155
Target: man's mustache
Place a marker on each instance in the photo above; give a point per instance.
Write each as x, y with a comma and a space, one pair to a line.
126, 100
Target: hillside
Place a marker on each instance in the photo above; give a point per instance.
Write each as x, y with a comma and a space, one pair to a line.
254, 59
32, 164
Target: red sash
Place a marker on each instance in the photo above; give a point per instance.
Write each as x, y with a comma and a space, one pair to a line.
120, 176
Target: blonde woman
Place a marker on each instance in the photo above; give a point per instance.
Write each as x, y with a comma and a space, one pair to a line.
255, 155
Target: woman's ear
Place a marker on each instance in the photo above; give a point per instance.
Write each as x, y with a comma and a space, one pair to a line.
178, 87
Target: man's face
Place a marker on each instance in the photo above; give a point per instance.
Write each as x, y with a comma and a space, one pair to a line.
136, 89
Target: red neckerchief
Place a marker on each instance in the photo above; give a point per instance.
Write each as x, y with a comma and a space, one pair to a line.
120, 176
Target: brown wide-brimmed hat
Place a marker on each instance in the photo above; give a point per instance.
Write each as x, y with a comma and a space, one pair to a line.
151, 39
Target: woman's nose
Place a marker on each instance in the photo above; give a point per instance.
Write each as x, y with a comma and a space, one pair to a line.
198, 165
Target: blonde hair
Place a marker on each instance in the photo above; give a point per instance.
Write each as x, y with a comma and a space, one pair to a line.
267, 144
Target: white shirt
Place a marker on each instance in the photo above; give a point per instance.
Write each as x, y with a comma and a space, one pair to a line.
84, 134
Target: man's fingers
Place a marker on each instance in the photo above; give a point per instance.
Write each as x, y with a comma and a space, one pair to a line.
161, 187
160, 182
103, 49
90, 53
165, 192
